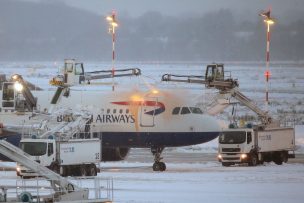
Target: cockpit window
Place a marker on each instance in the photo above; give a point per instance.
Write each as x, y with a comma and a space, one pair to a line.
185, 110
176, 110
196, 110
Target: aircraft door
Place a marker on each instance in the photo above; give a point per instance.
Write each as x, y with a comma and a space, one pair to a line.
147, 112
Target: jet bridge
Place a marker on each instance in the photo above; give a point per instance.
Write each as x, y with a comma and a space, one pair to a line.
227, 86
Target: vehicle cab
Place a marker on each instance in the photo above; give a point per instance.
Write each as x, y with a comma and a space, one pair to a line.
40, 150
73, 74
235, 145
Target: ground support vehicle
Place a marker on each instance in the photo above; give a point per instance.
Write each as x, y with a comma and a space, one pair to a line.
256, 145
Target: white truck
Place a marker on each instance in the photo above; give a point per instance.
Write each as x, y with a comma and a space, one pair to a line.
256, 145
75, 157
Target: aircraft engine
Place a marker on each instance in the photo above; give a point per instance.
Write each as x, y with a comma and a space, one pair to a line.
114, 154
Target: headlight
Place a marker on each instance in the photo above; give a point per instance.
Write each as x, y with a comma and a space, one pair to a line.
243, 156
18, 169
219, 156
18, 86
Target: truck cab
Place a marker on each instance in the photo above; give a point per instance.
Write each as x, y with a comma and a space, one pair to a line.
256, 145
41, 151
72, 74
235, 145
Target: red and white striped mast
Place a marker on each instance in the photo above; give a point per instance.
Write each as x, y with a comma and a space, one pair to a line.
112, 25
269, 21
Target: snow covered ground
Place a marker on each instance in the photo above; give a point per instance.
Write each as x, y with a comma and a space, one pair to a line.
200, 182
210, 182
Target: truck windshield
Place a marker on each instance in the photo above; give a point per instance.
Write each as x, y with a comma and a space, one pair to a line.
237, 137
34, 148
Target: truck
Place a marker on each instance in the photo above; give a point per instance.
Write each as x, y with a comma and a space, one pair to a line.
256, 145
73, 157
267, 141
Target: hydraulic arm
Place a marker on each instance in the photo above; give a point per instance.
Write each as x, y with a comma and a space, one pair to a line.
228, 87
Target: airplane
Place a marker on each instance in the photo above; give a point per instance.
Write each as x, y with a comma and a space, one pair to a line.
125, 119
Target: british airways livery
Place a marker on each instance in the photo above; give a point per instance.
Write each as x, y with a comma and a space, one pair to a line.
150, 119
125, 119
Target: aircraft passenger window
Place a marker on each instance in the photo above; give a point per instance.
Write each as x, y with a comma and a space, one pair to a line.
127, 111
108, 110
185, 110
196, 110
120, 111
176, 110
114, 110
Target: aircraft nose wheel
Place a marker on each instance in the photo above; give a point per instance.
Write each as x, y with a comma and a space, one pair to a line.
158, 165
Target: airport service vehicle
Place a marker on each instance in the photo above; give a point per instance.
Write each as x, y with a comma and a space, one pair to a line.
256, 145
266, 142
129, 118
74, 157
61, 189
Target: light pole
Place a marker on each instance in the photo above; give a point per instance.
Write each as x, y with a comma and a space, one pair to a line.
269, 21
112, 25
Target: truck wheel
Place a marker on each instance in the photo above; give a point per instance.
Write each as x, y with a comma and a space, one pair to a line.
284, 157
91, 170
82, 170
65, 171
278, 158
278, 162
253, 160
54, 167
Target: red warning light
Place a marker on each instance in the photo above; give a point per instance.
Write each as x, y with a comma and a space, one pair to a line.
267, 74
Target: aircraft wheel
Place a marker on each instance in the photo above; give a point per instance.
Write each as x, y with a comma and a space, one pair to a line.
156, 166
162, 166
159, 166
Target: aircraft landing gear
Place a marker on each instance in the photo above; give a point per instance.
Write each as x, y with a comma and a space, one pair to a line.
158, 165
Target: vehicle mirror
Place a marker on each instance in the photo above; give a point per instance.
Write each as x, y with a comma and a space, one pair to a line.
50, 149
249, 138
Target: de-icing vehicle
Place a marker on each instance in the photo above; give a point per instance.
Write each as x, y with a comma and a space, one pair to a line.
267, 141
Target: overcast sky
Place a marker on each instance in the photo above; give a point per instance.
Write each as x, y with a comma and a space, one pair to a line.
179, 7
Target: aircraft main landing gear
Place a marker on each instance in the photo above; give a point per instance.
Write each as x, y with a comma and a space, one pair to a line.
158, 165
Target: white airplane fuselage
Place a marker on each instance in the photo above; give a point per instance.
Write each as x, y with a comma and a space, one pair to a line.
134, 118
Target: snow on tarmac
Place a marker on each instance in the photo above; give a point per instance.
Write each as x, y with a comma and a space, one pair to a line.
207, 182
199, 182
